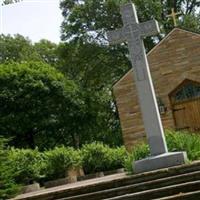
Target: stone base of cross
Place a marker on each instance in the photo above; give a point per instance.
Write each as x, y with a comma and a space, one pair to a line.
133, 33
161, 161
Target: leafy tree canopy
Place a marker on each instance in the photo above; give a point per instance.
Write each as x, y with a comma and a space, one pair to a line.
37, 103
47, 51
90, 19
17, 48
90, 66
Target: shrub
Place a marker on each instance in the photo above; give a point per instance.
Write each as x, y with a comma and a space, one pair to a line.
139, 152
117, 157
8, 187
176, 141
59, 160
27, 165
96, 157
184, 141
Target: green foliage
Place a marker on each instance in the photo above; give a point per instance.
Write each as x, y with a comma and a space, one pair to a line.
96, 118
16, 48
117, 157
191, 22
95, 66
37, 103
90, 19
184, 141
27, 165
98, 157
47, 51
90, 66
128, 163
8, 186
95, 157
176, 141
138, 152
59, 160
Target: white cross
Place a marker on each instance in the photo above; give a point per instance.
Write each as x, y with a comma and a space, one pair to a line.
133, 32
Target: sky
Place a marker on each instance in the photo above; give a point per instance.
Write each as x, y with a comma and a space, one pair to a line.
36, 19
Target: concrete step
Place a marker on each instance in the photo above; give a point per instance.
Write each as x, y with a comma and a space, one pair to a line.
108, 193
160, 192
183, 196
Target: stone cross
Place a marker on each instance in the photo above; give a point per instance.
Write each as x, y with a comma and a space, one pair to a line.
134, 32
173, 15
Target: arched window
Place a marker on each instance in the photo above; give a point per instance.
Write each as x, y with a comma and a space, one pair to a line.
187, 90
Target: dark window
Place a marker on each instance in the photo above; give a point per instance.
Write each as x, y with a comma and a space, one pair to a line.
188, 91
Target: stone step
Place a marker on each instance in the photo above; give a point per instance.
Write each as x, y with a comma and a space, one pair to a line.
160, 192
135, 179
108, 193
183, 196
117, 182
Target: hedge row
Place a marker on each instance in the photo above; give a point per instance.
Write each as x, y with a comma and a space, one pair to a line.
32, 165
24, 166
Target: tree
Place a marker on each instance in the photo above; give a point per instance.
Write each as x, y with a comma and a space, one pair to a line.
17, 48
47, 51
90, 19
37, 104
6, 2
86, 57
90, 65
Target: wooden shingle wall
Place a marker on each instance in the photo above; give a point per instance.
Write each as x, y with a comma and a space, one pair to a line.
172, 61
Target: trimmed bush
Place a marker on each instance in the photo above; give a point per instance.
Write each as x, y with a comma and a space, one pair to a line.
27, 165
59, 160
117, 157
98, 157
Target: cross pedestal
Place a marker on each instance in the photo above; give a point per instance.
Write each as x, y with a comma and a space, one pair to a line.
133, 33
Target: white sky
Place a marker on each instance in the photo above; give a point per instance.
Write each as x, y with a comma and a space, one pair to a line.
36, 19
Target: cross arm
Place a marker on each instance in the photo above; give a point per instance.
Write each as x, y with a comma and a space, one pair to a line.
149, 28
117, 36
